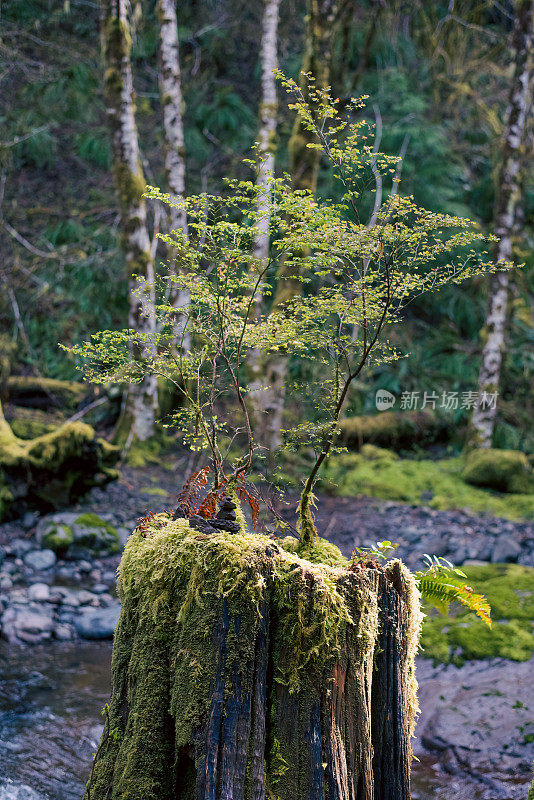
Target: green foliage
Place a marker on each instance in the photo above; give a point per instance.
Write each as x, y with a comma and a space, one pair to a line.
94, 146
356, 278
438, 483
502, 470
459, 637
440, 584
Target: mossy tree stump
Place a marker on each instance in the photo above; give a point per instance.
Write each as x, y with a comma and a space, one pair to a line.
243, 671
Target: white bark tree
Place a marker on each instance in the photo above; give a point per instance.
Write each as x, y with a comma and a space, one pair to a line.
267, 130
172, 103
269, 401
267, 151
508, 193
140, 402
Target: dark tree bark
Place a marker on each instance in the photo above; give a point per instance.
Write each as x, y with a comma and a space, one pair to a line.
295, 686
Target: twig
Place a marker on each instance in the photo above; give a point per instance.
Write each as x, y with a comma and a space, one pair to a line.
25, 243
79, 414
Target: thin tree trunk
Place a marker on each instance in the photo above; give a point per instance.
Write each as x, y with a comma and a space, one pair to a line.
172, 103
266, 151
140, 404
507, 199
303, 167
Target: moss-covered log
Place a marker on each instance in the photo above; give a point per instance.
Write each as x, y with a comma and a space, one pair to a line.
53, 469
398, 430
242, 671
45, 393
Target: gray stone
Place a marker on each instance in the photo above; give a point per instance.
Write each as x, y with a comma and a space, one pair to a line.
71, 599
106, 599
99, 588
39, 592
2, 555
86, 597
411, 534
506, 549
5, 583
18, 547
77, 552
97, 623
30, 625
28, 520
124, 534
64, 632
85, 566
40, 560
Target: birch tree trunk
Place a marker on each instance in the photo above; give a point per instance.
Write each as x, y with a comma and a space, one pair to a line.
140, 403
267, 151
303, 167
172, 103
506, 204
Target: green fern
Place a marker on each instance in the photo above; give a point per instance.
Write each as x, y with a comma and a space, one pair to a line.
437, 585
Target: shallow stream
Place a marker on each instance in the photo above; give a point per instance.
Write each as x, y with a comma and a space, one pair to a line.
50, 724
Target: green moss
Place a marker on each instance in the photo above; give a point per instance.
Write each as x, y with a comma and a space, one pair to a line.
95, 527
458, 637
59, 538
156, 491
438, 483
30, 428
398, 430
56, 467
149, 452
502, 470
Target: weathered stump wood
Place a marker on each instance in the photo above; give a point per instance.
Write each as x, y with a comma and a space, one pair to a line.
242, 671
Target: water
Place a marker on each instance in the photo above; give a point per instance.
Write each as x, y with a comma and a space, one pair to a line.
50, 725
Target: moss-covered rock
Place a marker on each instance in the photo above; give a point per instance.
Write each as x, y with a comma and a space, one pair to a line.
401, 430
239, 664
57, 537
74, 536
502, 470
53, 469
509, 589
94, 534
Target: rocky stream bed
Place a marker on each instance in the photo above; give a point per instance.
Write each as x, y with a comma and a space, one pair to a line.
475, 737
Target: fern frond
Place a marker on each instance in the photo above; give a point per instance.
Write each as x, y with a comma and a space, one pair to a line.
188, 499
245, 492
441, 593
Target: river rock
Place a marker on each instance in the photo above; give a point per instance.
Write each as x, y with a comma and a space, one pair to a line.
17, 548
27, 624
40, 560
477, 718
64, 632
506, 549
39, 592
97, 623
28, 520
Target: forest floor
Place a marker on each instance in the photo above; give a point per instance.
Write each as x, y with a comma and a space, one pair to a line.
475, 725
